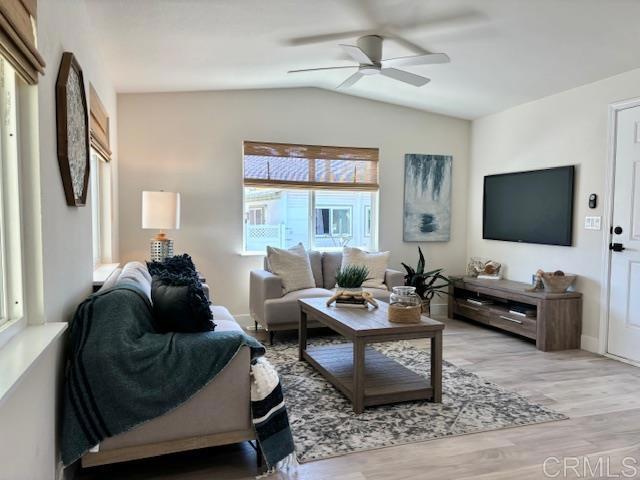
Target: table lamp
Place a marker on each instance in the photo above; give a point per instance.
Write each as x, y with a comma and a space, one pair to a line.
161, 211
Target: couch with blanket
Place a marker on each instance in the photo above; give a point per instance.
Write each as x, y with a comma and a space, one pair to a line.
217, 407
277, 311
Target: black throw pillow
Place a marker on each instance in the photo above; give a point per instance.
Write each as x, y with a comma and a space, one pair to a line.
178, 265
180, 305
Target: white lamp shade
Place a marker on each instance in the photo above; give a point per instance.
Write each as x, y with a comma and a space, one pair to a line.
161, 210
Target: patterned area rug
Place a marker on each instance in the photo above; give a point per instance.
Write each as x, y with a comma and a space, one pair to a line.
324, 425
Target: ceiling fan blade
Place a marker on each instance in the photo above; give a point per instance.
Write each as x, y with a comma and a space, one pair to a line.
320, 69
428, 59
357, 54
351, 80
326, 37
406, 77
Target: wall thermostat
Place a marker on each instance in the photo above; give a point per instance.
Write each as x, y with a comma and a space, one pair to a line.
593, 200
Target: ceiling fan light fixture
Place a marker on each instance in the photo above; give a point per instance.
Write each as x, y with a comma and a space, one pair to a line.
368, 56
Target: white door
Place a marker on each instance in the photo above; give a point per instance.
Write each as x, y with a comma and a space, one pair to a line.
624, 301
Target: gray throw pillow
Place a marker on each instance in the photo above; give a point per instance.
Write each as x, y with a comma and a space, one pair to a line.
292, 266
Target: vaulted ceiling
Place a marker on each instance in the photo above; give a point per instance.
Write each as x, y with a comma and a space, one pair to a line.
503, 52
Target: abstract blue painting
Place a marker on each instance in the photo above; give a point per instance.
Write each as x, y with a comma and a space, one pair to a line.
427, 198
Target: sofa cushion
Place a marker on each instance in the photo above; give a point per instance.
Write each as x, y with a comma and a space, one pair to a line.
221, 313
111, 280
331, 262
292, 266
377, 264
136, 274
180, 305
227, 326
286, 310
178, 265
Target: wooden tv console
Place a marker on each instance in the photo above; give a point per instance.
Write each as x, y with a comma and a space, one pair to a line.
553, 320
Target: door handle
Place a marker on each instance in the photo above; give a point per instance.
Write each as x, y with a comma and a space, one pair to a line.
616, 247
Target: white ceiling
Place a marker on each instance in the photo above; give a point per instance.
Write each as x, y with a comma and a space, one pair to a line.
507, 52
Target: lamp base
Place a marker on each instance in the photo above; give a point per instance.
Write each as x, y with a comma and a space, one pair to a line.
160, 249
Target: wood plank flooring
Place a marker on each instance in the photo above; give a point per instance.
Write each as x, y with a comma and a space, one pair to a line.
601, 396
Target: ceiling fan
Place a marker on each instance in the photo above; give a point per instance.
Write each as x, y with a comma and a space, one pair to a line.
368, 54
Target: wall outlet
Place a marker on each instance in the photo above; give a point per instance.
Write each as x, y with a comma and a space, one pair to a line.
592, 223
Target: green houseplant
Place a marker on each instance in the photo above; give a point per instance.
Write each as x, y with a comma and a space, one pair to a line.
351, 277
427, 284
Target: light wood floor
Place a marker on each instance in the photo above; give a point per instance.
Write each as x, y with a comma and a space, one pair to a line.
601, 396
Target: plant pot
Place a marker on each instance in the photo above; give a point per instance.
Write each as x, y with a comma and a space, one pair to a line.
352, 291
426, 307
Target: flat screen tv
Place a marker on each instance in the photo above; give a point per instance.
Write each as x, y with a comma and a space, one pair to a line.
529, 207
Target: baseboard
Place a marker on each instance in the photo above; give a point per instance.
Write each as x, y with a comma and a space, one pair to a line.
588, 343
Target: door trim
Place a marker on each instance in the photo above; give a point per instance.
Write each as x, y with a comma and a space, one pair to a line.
610, 169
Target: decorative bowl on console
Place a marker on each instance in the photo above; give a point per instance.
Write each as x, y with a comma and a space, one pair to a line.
558, 281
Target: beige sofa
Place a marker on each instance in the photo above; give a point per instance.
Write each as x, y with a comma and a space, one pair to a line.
219, 414
275, 311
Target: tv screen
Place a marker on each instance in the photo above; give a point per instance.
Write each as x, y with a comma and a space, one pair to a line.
529, 207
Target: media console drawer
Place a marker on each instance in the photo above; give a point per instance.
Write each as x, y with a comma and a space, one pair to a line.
553, 320
522, 326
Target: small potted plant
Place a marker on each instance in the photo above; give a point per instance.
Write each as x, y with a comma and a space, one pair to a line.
427, 284
350, 278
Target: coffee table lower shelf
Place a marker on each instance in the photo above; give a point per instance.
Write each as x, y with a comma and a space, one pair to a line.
385, 380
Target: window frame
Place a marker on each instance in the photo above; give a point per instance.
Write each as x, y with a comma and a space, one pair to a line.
101, 177
12, 260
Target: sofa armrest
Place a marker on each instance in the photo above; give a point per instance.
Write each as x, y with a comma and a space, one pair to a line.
263, 286
393, 278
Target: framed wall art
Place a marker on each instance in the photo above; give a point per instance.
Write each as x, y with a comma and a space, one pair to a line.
427, 198
72, 121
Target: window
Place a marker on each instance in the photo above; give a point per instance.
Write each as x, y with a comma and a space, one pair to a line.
100, 181
256, 216
334, 221
323, 197
11, 301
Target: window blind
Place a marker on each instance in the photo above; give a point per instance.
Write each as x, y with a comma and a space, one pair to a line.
98, 125
18, 38
310, 166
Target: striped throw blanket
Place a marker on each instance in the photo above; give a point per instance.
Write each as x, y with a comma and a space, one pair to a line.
270, 418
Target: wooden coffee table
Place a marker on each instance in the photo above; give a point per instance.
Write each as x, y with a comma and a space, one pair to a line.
364, 375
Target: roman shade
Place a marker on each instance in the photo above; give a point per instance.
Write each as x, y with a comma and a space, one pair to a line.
281, 165
98, 125
18, 38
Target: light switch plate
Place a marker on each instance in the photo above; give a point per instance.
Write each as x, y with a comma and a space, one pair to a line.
592, 223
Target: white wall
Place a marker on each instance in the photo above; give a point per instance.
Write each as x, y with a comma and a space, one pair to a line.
28, 432
192, 143
569, 128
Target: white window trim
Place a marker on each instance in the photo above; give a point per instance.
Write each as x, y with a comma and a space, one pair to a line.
103, 177
24, 339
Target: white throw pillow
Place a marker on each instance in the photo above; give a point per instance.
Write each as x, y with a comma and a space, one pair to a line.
292, 266
377, 264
